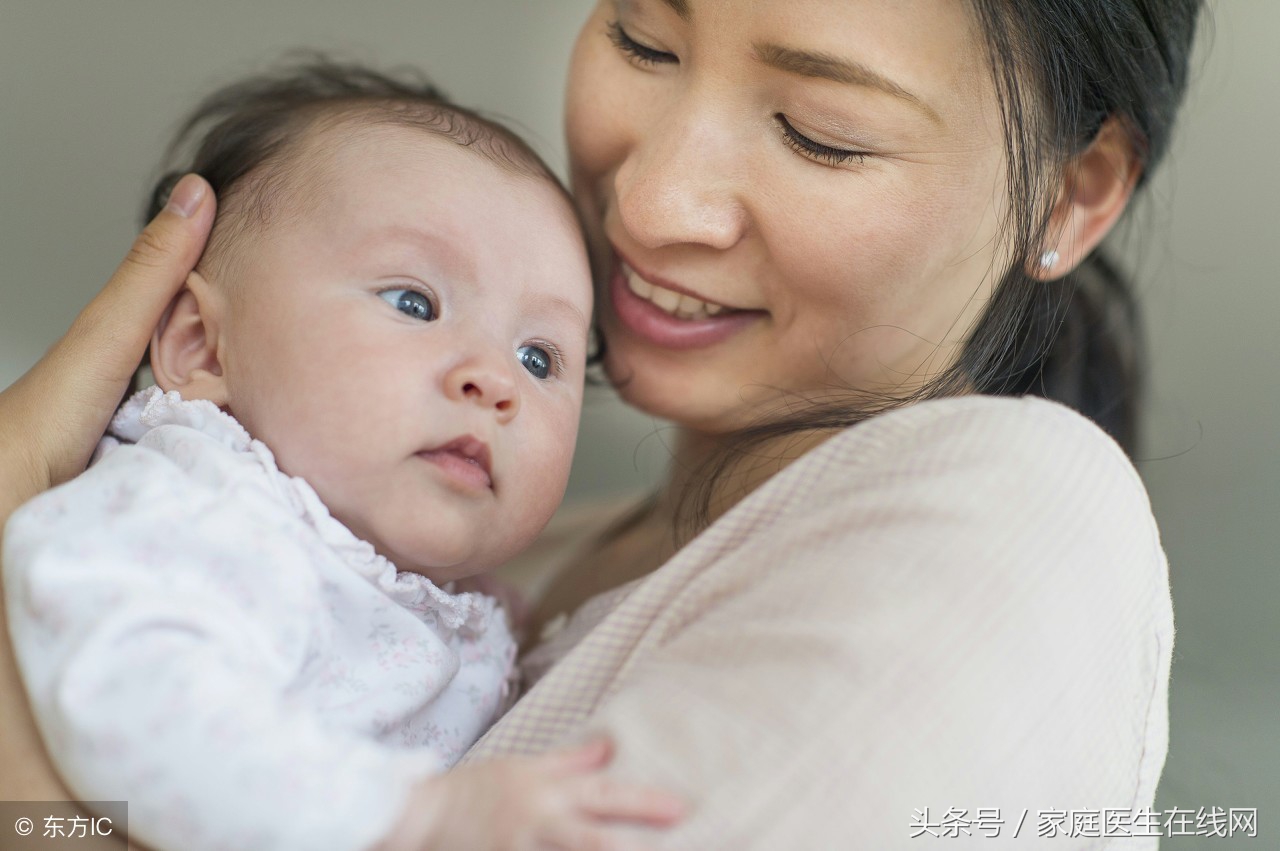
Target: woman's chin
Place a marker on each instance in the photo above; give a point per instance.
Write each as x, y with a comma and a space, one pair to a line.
697, 402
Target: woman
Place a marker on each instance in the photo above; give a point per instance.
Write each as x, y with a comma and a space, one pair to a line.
873, 600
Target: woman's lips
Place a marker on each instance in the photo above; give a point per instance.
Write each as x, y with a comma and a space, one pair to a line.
650, 322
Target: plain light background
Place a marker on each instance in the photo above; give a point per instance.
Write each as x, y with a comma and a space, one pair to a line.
91, 92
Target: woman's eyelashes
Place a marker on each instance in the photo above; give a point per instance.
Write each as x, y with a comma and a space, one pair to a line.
641, 54
805, 146
635, 51
412, 303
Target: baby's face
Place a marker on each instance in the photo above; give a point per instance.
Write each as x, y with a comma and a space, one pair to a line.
410, 337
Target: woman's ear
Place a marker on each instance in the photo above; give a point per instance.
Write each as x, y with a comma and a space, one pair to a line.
1096, 188
185, 349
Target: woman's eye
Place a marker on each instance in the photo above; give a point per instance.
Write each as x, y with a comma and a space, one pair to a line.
536, 359
636, 51
411, 303
805, 146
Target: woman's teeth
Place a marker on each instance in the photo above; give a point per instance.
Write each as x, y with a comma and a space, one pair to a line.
674, 303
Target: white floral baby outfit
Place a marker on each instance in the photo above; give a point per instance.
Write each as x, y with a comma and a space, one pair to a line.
201, 638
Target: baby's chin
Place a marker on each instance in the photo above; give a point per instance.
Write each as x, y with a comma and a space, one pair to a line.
440, 544
440, 566
442, 551
439, 575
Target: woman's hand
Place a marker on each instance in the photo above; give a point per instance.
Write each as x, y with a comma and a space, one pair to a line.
559, 801
52, 417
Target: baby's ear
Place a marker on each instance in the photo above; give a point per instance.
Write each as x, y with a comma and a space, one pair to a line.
185, 347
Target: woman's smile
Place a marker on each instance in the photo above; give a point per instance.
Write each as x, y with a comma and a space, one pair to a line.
744, 269
675, 320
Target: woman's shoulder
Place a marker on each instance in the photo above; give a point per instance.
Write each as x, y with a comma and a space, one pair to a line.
1019, 443
1006, 489
999, 425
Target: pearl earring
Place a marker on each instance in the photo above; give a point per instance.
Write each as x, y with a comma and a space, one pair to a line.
1048, 260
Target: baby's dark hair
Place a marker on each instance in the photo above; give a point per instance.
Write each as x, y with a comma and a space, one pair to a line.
240, 139
241, 136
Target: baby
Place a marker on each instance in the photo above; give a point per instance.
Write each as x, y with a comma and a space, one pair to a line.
242, 617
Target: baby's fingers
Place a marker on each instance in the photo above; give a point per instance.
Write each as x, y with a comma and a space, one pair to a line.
607, 799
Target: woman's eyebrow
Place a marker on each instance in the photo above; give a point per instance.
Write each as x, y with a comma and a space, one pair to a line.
811, 63
681, 8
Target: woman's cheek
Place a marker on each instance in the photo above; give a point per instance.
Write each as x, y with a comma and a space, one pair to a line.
584, 104
871, 305
858, 266
603, 115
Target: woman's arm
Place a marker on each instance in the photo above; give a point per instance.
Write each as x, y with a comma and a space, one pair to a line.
89, 369
41, 445
970, 612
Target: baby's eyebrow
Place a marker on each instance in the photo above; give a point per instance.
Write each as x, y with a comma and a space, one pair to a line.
437, 246
560, 304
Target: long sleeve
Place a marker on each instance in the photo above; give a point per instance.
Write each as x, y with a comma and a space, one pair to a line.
163, 630
961, 606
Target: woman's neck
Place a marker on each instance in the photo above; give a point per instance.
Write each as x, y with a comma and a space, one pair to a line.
695, 493
709, 474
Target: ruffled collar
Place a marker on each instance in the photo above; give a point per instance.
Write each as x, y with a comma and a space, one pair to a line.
151, 408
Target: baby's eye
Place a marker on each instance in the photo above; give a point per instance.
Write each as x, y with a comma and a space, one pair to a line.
411, 303
535, 359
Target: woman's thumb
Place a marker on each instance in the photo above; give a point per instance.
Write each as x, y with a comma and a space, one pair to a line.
115, 327
591, 756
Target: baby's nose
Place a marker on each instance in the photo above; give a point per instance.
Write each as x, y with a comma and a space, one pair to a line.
487, 382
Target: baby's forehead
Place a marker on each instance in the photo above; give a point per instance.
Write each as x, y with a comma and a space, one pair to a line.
332, 156
338, 155
363, 128
382, 192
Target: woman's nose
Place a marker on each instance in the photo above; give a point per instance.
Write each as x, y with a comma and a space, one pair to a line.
682, 181
485, 381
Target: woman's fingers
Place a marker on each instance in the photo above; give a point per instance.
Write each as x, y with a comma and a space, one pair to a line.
592, 756
89, 369
604, 798
585, 837
607, 799
116, 326
557, 801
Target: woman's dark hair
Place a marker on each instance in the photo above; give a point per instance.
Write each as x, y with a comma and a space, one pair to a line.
1061, 69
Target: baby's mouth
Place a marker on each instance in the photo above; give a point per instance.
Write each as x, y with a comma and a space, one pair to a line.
466, 457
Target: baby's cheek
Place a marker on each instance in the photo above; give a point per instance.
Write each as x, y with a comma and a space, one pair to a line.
541, 477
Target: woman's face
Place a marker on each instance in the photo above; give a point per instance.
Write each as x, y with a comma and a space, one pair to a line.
787, 199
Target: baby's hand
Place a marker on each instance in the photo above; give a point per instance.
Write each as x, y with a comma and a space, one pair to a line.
557, 801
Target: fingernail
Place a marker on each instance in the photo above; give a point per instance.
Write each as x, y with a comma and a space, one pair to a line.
186, 196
